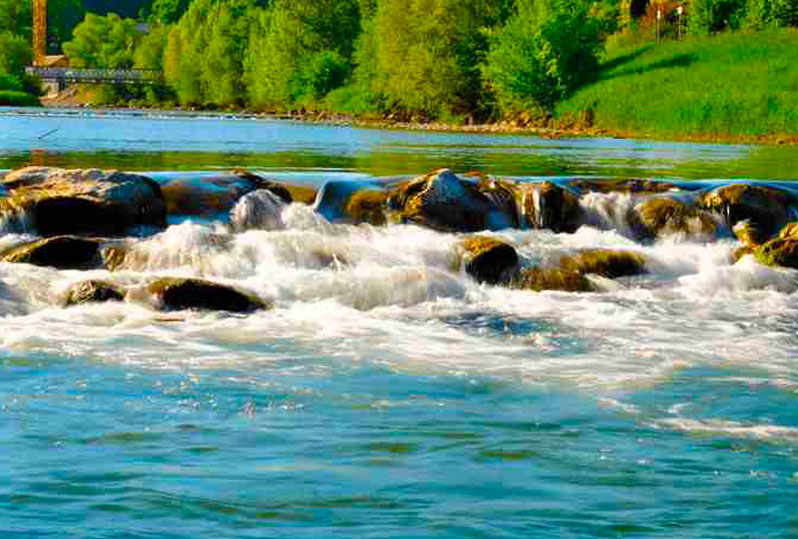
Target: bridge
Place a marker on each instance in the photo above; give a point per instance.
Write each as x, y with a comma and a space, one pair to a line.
67, 75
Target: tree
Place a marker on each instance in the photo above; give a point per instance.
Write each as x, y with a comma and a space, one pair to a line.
103, 42
15, 54
544, 52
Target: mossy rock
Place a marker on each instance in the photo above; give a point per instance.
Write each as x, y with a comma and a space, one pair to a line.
778, 252
606, 263
56, 202
612, 185
367, 206
750, 236
663, 216
486, 259
173, 294
60, 252
92, 291
767, 208
540, 279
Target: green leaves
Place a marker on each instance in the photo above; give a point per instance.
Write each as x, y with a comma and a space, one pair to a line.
103, 42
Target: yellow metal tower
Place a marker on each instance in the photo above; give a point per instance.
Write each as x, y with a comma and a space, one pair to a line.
39, 32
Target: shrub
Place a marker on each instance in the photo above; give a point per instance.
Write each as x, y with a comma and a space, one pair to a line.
10, 98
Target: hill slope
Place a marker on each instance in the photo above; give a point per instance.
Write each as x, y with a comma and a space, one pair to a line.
726, 86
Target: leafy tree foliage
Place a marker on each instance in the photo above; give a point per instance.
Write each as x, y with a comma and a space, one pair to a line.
103, 42
15, 54
544, 52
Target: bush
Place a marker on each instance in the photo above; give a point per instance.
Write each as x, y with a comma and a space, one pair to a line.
543, 54
763, 13
9, 98
10, 82
710, 16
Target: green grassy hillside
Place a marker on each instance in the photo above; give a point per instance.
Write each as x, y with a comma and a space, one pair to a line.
726, 86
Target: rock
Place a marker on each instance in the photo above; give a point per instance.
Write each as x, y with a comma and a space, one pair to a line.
333, 198
60, 252
539, 279
613, 185
92, 291
442, 201
261, 210
546, 205
172, 294
204, 196
767, 208
56, 201
780, 251
367, 206
605, 262
659, 217
287, 192
486, 259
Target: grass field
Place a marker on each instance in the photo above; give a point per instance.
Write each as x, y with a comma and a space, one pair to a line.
725, 86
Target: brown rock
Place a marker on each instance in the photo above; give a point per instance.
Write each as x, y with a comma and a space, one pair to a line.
486, 259
92, 291
171, 294
662, 216
60, 252
546, 205
605, 262
367, 206
539, 279
767, 208
88, 202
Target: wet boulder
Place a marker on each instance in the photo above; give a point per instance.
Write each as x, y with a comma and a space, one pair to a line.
259, 210
486, 259
92, 291
663, 216
367, 206
442, 201
203, 195
780, 251
554, 278
546, 205
606, 263
54, 202
767, 208
60, 252
174, 294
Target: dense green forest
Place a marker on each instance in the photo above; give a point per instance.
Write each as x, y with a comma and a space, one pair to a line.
451, 60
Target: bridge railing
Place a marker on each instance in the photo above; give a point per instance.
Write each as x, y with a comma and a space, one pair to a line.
115, 76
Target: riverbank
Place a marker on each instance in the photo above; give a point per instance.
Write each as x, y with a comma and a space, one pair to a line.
730, 88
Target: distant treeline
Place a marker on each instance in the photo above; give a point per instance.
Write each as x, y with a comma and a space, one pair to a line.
445, 59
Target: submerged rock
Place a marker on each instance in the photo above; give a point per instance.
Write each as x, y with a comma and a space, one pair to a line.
659, 217
61, 252
607, 263
767, 208
486, 259
92, 291
260, 210
442, 201
172, 294
540, 279
54, 201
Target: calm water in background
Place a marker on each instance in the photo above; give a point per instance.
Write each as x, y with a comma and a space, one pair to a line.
386, 396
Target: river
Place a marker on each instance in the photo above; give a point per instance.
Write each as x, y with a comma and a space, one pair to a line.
386, 396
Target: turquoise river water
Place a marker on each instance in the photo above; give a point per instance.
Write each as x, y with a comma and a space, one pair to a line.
387, 397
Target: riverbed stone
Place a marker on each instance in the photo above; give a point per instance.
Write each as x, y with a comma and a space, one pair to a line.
659, 217
554, 278
367, 206
174, 293
258, 210
442, 201
608, 263
781, 250
92, 291
546, 205
767, 208
55, 201
488, 260
60, 252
